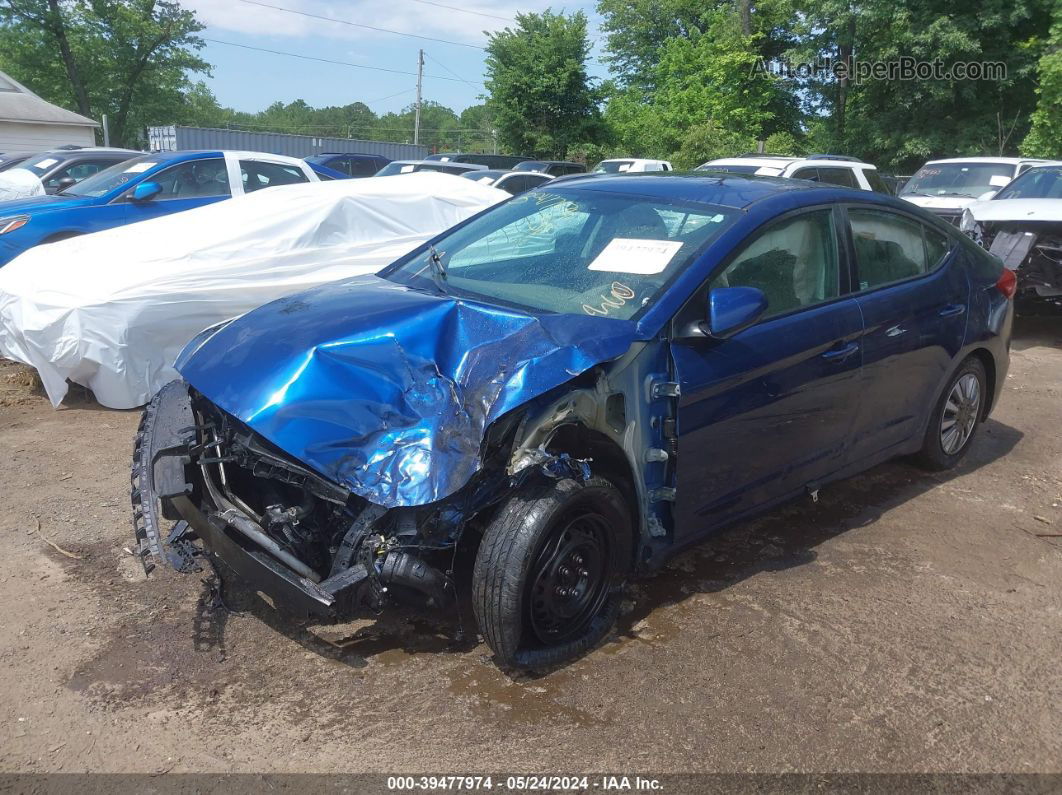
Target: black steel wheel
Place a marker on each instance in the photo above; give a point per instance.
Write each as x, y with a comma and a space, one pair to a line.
549, 572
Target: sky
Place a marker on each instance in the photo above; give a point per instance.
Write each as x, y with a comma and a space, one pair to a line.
249, 80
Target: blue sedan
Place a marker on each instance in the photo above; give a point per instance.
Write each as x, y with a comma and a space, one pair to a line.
569, 388
141, 188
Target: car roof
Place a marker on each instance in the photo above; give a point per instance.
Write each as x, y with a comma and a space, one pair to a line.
195, 154
1007, 161
719, 188
490, 172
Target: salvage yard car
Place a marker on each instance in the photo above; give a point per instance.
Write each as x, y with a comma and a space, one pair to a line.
849, 172
946, 187
571, 387
1022, 225
143, 187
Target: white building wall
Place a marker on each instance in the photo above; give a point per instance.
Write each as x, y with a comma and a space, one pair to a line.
23, 137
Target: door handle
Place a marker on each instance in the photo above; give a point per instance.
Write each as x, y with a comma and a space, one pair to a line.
841, 354
952, 309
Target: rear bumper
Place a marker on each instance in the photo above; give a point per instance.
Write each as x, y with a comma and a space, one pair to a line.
165, 474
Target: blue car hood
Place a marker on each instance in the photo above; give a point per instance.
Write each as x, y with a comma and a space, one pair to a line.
37, 203
386, 389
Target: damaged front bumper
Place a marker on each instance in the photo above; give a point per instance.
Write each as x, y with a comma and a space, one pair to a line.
324, 555
1033, 251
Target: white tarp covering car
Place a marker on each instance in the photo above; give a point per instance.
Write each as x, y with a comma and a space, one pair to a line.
19, 183
112, 310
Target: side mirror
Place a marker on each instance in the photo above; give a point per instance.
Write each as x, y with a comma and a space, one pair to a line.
65, 182
988, 194
732, 309
146, 191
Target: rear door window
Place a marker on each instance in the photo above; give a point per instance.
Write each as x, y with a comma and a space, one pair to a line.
364, 167
891, 248
258, 174
877, 184
838, 176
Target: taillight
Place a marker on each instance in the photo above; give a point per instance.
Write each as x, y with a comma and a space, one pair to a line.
1008, 283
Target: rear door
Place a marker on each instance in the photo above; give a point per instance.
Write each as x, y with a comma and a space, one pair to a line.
913, 291
768, 412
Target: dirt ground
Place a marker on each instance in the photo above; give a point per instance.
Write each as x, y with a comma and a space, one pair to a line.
906, 622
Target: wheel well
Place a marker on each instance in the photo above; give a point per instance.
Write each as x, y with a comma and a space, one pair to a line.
989, 363
607, 460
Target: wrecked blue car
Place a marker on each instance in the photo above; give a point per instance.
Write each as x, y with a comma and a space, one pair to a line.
569, 388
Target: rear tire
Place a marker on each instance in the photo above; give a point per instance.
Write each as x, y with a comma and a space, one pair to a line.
955, 419
547, 582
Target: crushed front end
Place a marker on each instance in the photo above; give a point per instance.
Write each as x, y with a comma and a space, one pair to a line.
1032, 249
300, 539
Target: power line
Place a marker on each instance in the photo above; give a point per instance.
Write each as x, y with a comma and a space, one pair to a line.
451, 71
463, 10
358, 24
329, 60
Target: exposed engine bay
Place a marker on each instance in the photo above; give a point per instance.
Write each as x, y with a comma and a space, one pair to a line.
255, 507
1033, 250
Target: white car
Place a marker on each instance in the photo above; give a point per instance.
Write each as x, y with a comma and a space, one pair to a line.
946, 187
513, 182
1022, 225
111, 310
630, 165
847, 172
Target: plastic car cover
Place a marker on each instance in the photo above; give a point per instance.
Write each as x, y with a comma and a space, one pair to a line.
392, 401
20, 183
112, 310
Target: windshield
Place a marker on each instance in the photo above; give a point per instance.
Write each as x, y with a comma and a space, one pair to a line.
613, 166
40, 164
1036, 183
582, 252
958, 179
116, 176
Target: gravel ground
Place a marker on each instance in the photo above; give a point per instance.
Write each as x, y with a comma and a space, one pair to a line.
906, 622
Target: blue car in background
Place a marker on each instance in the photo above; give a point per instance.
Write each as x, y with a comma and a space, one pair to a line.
143, 187
568, 388
342, 165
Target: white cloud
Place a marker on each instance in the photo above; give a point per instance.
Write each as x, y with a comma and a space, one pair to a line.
407, 16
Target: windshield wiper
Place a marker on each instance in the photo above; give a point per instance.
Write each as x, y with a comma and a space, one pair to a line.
438, 270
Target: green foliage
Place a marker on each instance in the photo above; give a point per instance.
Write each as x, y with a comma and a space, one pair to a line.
129, 59
784, 143
900, 123
1045, 137
540, 94
708, 141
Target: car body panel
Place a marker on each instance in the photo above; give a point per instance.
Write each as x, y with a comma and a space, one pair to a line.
392, 400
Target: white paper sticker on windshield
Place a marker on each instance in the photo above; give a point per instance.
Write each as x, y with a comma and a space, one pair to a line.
625, 166
999, 181
406, 169
634, 255
137, 168
48, 162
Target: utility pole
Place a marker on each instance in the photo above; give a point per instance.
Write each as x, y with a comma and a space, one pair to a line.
106, 131
420, 83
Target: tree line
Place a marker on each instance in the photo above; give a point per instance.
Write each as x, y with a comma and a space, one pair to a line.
688, 80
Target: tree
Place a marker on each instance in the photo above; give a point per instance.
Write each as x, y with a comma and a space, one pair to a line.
539, 92
1045, 137
899, 122
129, 59
706, 81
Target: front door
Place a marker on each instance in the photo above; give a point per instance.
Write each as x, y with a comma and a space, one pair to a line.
184, 186
768, 412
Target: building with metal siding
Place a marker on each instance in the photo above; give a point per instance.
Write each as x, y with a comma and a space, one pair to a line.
173, 139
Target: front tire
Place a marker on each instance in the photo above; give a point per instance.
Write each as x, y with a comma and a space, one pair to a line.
955, 419
549, 572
